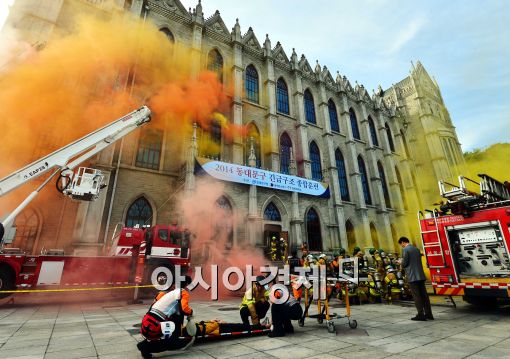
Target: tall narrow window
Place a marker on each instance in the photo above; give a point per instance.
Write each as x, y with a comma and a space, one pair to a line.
342, 175
223, 230
313, 230
271, 213
309, 108
252, 84
209, 140
253, 139
390, 137
354, 125
282, 97
315, 159
149, 149
384, 184
285, 148
215, 63
364, 180
333, 116
139, 213
373, 131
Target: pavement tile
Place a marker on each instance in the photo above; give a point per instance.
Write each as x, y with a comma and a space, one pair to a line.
13, 353
23, 344
115, 349
325, 345
266, 343
492, 352
224, 351
291, 352
72, 353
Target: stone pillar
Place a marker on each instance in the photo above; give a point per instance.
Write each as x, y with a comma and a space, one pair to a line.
302, 127
196, 41
271, 117
237, 101
296, 222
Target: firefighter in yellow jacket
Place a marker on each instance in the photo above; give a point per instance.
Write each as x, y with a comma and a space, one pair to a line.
255, 303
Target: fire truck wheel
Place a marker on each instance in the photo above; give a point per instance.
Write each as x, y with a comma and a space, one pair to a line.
6, 282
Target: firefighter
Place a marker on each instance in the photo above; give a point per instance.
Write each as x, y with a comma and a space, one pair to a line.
273, 252
171, 306
282, 314
283, 249
304, 253
255, 303
293, 262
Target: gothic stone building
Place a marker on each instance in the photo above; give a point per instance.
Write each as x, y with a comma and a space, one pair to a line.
381, 154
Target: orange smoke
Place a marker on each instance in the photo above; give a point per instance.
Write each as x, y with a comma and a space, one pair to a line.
213, 228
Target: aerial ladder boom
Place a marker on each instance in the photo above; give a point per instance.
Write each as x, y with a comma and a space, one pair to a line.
87, 182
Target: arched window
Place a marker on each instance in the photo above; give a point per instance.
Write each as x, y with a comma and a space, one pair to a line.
404, 141
342, 175
285, 148
375, 236
315, 159
252, 84
401, 188
364, 180
253, 138
333, 116
309, 108
168, 34
313, 230
390, 137
282, 97
216, 139
351, 236
149, 148
354, 124
139, 213
271, 213
373, 131
215, 63
384, 184
209, 140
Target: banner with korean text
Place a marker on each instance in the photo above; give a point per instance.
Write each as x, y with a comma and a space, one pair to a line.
255, 176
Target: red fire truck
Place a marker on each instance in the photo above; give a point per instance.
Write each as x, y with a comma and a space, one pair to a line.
135, 253
466, 242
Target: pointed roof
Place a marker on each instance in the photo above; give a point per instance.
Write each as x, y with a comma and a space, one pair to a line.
304, 66
250, 41
216, 24
174, 6
326, 75
279, 54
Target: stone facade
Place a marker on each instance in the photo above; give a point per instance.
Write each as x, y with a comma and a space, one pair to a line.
405, 130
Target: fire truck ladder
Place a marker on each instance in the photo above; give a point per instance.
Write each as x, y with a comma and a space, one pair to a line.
435, 244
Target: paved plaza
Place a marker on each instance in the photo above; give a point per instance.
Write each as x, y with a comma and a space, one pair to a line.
105, 329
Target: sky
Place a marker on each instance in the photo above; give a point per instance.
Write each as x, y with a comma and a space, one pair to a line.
462, 43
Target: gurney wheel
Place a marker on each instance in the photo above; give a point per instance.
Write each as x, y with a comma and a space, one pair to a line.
353, 324
331, 327
320, 320
301, 322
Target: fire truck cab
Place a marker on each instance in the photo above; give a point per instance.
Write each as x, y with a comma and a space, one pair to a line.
466, 242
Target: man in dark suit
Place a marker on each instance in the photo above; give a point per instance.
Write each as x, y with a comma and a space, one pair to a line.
411, 262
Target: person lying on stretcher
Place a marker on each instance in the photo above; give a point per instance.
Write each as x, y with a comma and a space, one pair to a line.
163, 329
